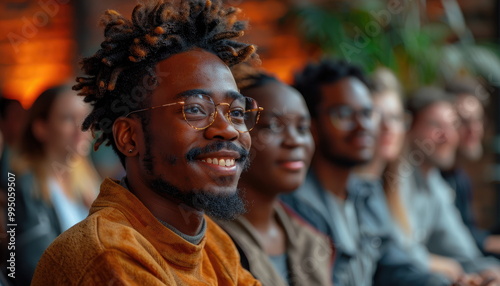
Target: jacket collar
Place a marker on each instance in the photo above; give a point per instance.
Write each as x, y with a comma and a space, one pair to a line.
250, 231
314, 194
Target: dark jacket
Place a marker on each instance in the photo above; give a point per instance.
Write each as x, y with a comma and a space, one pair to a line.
460, 182
37, 227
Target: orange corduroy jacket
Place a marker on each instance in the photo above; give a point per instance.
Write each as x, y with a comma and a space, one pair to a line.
122, 243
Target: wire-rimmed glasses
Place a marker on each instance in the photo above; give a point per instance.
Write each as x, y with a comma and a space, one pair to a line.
200, 111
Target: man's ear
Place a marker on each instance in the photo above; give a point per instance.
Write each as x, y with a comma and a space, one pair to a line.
125, 135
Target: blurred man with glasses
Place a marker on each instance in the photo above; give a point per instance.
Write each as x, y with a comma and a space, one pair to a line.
164, 98
351, 211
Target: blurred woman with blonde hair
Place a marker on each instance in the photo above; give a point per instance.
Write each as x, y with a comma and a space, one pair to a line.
55, 181
387, 99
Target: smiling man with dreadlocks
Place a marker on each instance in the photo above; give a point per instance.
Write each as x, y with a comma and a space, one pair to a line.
164, 98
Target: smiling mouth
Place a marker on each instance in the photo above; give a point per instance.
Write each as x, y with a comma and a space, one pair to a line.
293, 165
220, 162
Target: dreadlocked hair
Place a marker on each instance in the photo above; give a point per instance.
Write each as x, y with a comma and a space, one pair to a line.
121, 73
247, 75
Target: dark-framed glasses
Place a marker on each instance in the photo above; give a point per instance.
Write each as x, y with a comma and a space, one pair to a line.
200, 111
344, 117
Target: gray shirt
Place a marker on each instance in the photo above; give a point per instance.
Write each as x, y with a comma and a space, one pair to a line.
280, 263
348, 235
436, 224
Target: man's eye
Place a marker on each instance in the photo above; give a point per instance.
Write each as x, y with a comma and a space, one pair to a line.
367, 113
237, 113
194, 109
344, 113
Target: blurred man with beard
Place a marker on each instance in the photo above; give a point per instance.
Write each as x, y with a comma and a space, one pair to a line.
438, 239
352, 212
466, 94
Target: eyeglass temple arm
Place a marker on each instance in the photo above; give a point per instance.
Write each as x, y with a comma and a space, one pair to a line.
154, 107
255, 109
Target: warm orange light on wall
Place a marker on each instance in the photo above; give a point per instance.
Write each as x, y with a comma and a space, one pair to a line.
279, 47
27, 88
43, 64
37, 48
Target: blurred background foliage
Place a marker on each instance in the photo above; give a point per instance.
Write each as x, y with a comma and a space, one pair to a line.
400, 34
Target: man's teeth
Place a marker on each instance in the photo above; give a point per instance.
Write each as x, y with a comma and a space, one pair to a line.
220, 162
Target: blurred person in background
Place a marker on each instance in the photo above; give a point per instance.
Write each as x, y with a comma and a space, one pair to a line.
438, 238
470, 149
106, 163
351, 211
55, 182
387, 100
275, 245
12, 120
387, 97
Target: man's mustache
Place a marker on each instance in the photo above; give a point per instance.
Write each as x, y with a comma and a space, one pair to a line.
217, 146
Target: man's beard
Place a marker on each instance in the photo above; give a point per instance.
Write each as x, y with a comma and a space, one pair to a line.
340, 159
220, 206
471, 153
345, 162
443, 163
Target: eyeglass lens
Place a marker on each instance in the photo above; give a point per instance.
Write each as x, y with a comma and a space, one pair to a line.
200, 110
344, 117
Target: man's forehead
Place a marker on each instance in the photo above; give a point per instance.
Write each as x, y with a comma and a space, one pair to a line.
467, 104
228, 95
189, 62
441, 110
347, 91
194, 70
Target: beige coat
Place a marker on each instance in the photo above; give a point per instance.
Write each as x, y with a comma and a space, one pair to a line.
310, 254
